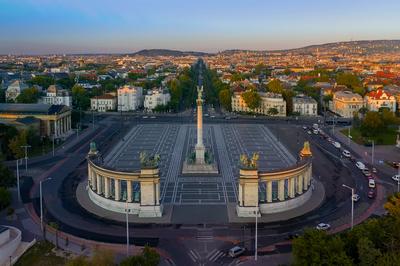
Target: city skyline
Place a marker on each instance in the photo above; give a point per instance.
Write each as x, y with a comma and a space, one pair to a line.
47, 27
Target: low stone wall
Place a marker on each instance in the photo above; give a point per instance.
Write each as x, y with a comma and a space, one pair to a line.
112, 205
10, 246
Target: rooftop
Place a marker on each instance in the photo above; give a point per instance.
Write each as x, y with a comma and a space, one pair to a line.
32, 108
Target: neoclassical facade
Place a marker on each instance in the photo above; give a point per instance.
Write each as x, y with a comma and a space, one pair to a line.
135, 192
275, 191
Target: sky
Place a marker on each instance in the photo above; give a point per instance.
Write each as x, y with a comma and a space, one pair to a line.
124, 26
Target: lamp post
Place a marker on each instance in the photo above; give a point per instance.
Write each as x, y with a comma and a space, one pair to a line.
373, 152
41, 202
18, 188
352, 204
256, 235
25, 147
127, 229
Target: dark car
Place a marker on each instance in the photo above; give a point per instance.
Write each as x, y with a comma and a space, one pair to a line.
371, 193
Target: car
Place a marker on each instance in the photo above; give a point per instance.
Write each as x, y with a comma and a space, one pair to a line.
213, 116
309, 132
371, 183
366, 172
374, 170
206, 115
336, 144
360, 165
346, 153
329, 139
236, 251
394, 164
144, 117
323, 226
315, 131
305, 127
152, 117
227, 118
371, 193
291, 236
396, 178
356, 197
234, 117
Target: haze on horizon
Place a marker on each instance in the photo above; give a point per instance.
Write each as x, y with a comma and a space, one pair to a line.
123, 26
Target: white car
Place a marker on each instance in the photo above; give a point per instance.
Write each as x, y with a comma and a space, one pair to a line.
315, 131
360, 165
356, 197
396, 178
236, 251
309, 132
371, 183
323, 226
346, 153
336, 144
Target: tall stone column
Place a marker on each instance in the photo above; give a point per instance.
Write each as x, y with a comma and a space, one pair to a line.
269, 191
106, 187
281, 190
94, 181
129, 190
291, 187
199, 148
157, 193
55, 129
240, 196
117, 189
300, 184
98, 184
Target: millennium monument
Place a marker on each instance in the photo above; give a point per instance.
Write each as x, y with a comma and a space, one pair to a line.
200, 161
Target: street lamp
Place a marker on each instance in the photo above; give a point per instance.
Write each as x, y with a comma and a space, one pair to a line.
25, 147
127, 229
41, 201
373, 152
18, 188
352, 204
256, 213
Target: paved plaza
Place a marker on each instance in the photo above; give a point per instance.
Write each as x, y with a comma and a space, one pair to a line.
173, 142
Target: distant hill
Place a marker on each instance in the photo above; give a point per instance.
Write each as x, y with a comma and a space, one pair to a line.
166, 52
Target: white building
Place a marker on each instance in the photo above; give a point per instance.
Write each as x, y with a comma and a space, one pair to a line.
58, 96
306, 106
156, 97
375, 100
103, 103
269, 101
130, 98
15, 89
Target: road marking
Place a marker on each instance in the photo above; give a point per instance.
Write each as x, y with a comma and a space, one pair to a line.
218, 254
194, 255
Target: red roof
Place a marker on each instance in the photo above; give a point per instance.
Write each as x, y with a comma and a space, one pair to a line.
376, 95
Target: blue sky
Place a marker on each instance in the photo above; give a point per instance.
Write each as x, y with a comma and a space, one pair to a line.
77, 26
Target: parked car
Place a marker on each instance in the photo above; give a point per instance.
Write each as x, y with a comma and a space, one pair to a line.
346, 153
323, 226
374, 170
315, 131
371, 193
336, 144
366, 172
360, 165
396, 178
305, 127
309, 132
394, 164
356, 197
371, 183
236, 251
291, 236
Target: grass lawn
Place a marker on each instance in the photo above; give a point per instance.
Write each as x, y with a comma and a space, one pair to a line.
384, 138
41, 254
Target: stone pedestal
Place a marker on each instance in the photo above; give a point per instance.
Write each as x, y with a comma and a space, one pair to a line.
248, 193
200, 151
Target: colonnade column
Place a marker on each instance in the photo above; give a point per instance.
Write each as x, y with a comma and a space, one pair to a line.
106, 187
300, 184
117, 189
157, 193
98, 181
94, 181
291, 187
240, 196
281, 190
129, 190
269, 191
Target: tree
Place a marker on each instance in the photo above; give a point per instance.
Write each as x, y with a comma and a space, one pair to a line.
5, 198
389, 259
237, 77
348, 79
102, 257
367, 252
7, 178
393, 205
225, 99
275, 86
43, 81
252, 99
15, 144
273, 111
30, 95
149, 257
80, 98
371, 124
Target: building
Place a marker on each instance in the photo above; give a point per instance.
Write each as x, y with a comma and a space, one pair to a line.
156, 97
306, 106
378, 99
103, 103
346, 103
58, 96
15, 89
130, 98
55, 120
270, 102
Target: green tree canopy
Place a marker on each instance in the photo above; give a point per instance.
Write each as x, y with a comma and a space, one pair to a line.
18, 141
273, 111
29, 95
149, 257
225, 99
43, 81
275, 86
80, 97
252, 99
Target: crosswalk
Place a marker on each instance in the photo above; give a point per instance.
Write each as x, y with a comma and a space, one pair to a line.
214, 255
194, 255
205, 235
